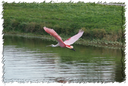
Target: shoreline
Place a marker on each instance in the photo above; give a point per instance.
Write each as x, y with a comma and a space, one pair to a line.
95, 43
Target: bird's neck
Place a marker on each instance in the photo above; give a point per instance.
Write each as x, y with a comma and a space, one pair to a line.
54, 45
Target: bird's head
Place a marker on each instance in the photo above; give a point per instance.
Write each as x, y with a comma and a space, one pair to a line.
52, 45
70, 47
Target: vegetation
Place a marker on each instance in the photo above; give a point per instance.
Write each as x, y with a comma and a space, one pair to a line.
100, 22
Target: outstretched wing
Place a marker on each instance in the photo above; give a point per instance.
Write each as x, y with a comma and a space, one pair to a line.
74, 38
55, 35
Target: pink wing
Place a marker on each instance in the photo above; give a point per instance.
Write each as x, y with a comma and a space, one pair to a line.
55, 35
74, 38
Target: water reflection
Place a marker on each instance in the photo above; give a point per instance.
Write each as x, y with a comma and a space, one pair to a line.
27, 59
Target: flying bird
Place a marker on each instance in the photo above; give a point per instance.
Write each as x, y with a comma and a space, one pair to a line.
67, 43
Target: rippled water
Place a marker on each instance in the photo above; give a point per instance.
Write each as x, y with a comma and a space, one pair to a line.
29, 60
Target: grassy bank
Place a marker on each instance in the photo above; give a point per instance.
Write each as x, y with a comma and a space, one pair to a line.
96, 43
100, 22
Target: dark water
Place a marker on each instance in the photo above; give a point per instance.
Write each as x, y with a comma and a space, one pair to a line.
29, 60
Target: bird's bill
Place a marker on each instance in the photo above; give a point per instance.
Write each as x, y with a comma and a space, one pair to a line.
73, 49
48, 45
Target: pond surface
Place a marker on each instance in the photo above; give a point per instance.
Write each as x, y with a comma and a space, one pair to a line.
29, 60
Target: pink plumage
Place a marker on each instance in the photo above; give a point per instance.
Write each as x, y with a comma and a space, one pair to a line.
67, 42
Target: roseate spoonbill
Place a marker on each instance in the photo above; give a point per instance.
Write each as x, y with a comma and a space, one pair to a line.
67, 43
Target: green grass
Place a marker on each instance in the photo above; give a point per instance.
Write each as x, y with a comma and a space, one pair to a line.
99, 22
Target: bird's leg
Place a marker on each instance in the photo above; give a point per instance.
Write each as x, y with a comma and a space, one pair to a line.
73, 49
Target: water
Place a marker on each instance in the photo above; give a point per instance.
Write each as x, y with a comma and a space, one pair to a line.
29, 60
